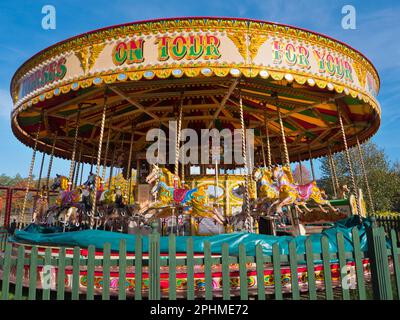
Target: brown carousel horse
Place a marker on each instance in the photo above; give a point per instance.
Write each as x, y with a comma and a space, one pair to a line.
41, 206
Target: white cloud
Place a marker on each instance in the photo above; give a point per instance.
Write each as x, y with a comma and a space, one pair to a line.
5, 104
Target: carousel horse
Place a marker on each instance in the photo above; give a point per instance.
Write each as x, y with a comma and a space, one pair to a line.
69, 199
169, 196
344, 192
40, 208
269, 192
91, 181
267, 189
290, 193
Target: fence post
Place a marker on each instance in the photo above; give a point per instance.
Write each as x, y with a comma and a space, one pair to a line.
154, 263
378, 258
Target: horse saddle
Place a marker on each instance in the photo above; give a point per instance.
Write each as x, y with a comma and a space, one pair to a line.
305, 190
179, 195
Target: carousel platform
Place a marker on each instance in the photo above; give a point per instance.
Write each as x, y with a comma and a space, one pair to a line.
42, 236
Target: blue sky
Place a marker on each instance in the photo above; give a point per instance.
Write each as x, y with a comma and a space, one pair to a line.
377, 36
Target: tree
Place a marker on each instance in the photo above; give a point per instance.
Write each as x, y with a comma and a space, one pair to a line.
302, 176
383, 177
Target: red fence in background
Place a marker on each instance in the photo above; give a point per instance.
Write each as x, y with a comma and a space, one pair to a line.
8, 202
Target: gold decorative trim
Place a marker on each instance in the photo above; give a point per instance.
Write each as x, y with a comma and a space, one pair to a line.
196, 24
191, 70
240, 41
361, 73
255, 42
82, 56
94, 52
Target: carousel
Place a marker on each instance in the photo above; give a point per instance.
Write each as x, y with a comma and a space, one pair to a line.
120, 104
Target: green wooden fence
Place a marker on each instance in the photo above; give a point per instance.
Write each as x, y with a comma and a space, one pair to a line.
383, 282
389, 223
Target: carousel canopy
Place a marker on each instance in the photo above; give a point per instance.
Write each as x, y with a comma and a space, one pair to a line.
148, 69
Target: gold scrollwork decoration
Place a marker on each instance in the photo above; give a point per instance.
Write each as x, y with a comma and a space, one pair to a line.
94, 52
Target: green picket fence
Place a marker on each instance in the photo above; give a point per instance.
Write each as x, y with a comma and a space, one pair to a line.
389, 223
383, 283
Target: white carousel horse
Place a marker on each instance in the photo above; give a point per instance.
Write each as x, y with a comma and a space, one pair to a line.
292, 194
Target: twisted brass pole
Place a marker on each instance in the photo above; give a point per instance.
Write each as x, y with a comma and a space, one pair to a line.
244, 153
285, 149
103, 121
75, 182
72, 167
112, 166
301, 171
311, 163
21, 218
128, 174
269, 160
103, 176
51, 161
348, 159
178, 142
364, 171
333, 172
40, 172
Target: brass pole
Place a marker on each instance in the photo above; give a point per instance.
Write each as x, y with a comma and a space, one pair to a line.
244, 153
75, 182
311, 163
50, 164
72, 167
349, 164
333, 173
364, 171
103, 121
178, 138
285, 161
22, 213
128, 174
40, 172
301, 171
